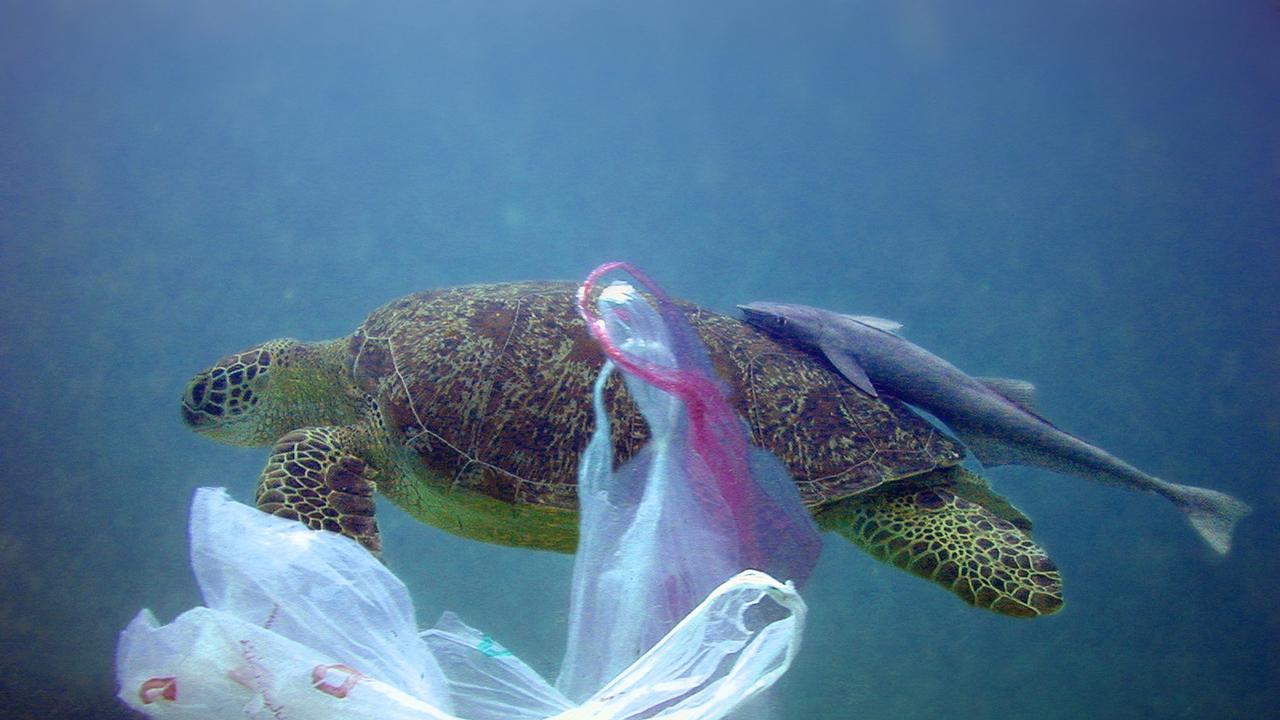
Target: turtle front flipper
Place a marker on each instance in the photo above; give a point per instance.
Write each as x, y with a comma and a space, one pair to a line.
933, 531
312, 476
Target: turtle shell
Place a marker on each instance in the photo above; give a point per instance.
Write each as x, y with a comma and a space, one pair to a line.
490, 386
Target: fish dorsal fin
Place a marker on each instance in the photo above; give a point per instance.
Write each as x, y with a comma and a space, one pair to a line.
878, 323
1018, 392
848, 366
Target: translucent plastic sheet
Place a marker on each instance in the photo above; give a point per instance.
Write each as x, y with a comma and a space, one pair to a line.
695, 506
338, 648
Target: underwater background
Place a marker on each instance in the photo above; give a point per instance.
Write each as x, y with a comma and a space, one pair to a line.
1084, 194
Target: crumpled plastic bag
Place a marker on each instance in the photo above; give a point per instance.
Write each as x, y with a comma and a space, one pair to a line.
306, 624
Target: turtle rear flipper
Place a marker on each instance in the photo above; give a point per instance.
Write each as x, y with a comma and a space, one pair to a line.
313, 477
933, 531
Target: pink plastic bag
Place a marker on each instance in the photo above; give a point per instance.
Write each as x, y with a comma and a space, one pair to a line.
695, 506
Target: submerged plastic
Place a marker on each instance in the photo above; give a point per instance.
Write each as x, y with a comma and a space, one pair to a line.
696, 431
346, 646
666, 619
297, 623
695, 506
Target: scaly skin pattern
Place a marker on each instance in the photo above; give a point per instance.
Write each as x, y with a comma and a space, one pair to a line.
255, 396
313, 477
932, 532
468, 407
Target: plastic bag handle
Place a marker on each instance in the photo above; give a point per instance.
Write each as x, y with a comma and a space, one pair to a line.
713, 425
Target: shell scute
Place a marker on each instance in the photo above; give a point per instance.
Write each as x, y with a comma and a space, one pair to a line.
490, 386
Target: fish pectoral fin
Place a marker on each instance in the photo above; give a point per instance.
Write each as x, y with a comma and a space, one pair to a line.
848, 367
1018, 392
989, 451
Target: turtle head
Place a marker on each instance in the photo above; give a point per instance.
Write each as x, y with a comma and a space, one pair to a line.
255, 396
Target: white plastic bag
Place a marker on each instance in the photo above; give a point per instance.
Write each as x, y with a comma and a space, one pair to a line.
236, 661
297, 623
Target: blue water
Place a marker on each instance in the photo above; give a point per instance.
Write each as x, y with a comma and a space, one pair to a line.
1083, 194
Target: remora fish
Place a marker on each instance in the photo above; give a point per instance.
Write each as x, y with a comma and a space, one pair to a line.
994, 417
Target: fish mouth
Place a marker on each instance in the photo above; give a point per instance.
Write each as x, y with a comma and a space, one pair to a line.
754, 314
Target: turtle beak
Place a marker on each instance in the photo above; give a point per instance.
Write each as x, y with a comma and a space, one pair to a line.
198, 409
192, 418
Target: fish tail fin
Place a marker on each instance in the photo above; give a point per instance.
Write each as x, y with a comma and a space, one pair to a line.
1213, 514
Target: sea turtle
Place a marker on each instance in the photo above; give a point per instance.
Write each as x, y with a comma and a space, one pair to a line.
468, 408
